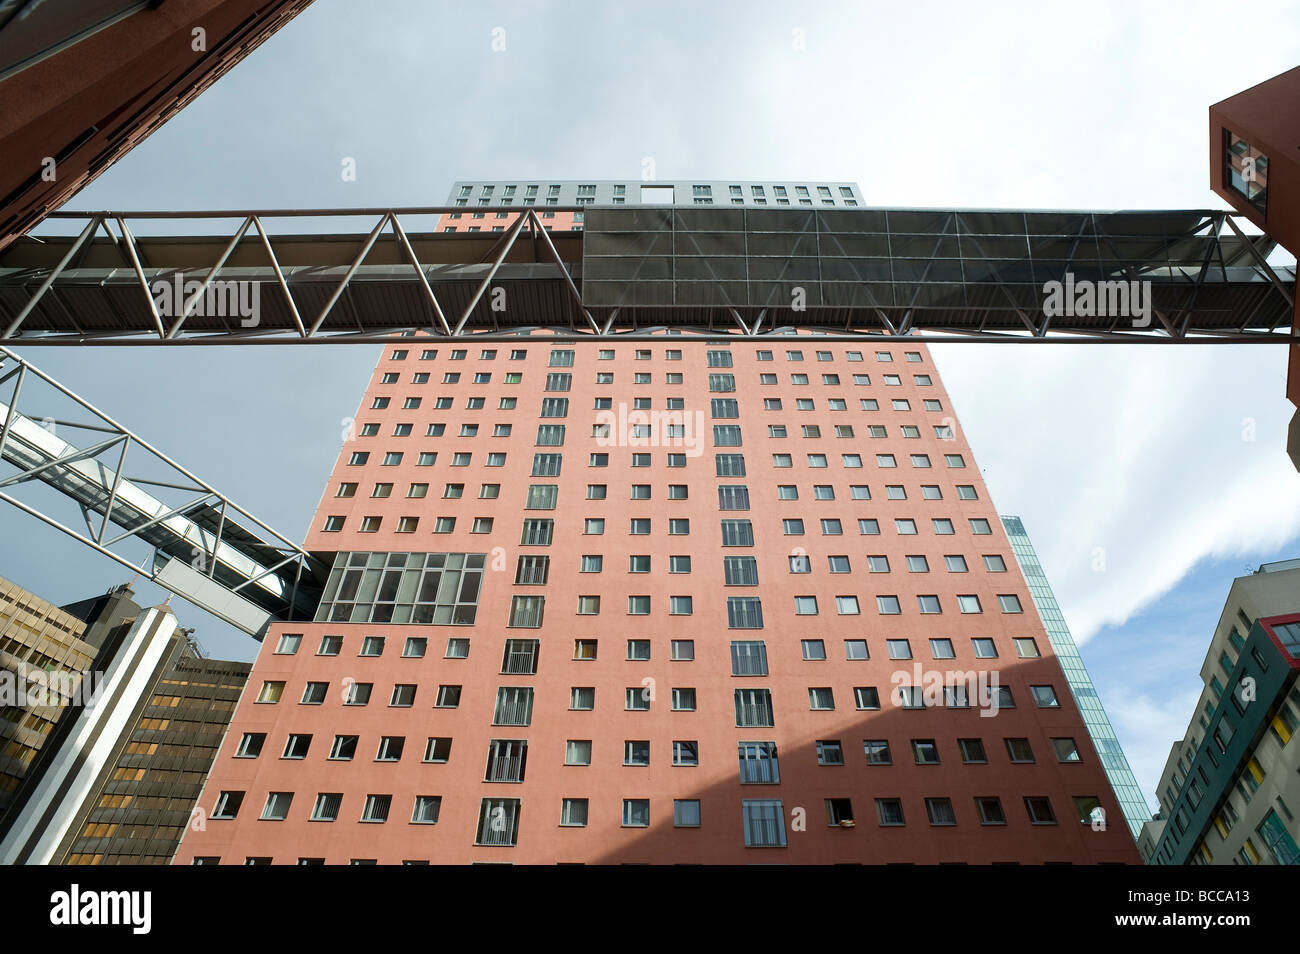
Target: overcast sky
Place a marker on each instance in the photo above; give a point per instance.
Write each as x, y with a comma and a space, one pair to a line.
1167, 461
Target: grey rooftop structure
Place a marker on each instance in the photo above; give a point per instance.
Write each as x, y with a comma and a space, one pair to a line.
681, 192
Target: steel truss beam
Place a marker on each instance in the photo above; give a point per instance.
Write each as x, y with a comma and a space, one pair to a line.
1212, 282
157, 501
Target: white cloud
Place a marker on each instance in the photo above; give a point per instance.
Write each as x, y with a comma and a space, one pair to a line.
1138, 451
1147, 729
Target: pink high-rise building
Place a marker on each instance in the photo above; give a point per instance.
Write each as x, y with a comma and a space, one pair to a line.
675, 601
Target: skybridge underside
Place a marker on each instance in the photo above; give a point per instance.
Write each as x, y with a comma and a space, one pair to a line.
637, 272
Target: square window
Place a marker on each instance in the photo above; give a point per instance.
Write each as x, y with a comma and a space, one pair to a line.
1040, 810
686, 813
1019, 750
376, 808
939, 811
288, 644
577, 752
1066, 750
814, 649
686, 753
448, 697
890, 812
1045, 697
277, 806
867, 697
821, 698
636, 813
855, 649
764, 823
636, 752
830, 752
990, 810
877, 752
271, 692
250, 746
390, 749
1026, 647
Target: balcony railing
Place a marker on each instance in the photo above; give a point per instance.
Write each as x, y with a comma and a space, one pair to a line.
753, 714
514, 711
505, 768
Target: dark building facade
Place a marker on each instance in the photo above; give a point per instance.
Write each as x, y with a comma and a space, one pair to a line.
44, 652
1230, 792
145, 796
108, 768
82, 82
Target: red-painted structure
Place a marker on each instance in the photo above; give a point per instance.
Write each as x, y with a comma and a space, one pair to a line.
82, 82
1255, 168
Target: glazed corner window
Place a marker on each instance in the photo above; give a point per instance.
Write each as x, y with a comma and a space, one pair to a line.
1245, 170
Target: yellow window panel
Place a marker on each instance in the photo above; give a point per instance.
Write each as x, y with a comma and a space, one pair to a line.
1281, 729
